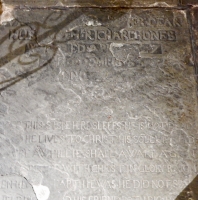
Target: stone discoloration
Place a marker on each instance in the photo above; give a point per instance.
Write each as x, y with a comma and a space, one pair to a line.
188, 2
94, 3
99, 102
1, 8
194, 17
6, 13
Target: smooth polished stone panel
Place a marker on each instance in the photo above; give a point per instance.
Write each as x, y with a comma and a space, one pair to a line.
98, 104
93, 3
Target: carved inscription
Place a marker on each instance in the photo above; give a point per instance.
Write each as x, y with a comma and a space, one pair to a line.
15, 188
123, 35
136, 21
23, 33
101, 105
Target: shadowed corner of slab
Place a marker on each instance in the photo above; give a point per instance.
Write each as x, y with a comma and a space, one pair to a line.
102, 15
16, 52
190, 192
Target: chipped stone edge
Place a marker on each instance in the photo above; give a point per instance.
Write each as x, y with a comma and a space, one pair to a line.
160, 4
68, 4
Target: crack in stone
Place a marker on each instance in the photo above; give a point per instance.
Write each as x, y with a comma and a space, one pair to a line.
19, 175
45, 45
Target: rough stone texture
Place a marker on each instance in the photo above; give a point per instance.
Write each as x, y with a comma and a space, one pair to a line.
188, 2
194, 21
15, 187
98, 104
190, 192
94, 3
0, 8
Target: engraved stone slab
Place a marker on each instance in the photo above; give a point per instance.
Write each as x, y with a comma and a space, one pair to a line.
93, 3
99, 104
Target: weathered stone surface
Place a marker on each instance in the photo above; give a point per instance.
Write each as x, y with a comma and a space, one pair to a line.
94, 3
190, 192
0, 8
99, 104
194, 18
188, 2
15, 187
